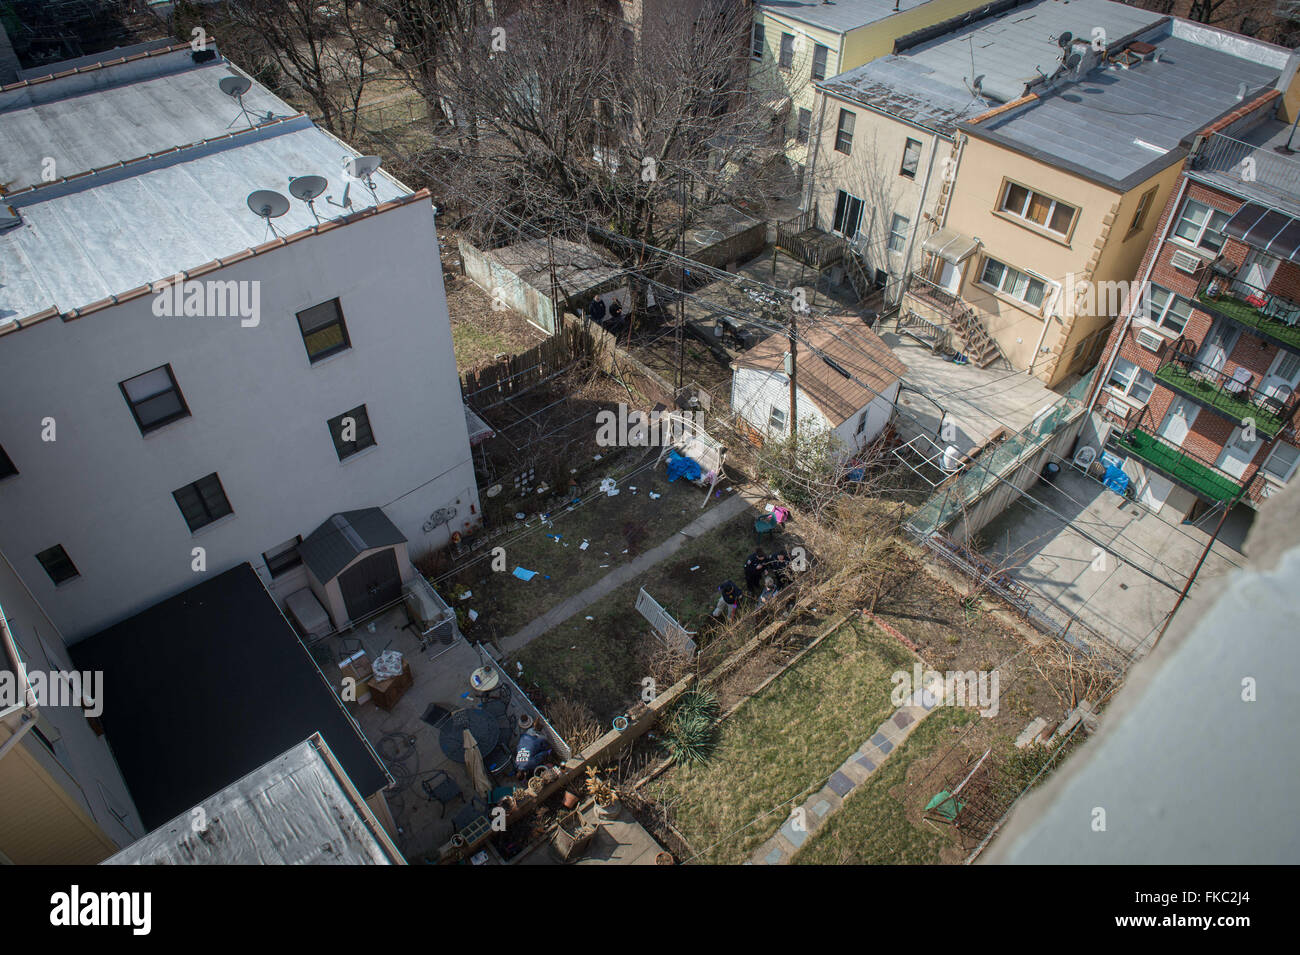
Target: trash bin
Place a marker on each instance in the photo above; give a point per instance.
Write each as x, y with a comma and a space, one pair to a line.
1050, 471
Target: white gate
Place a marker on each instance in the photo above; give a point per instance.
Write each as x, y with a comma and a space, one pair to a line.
672, 632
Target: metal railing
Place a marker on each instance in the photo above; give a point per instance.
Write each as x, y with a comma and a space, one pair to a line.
918, 284
1268, 313
1232, 395
1138, 436
1246, 164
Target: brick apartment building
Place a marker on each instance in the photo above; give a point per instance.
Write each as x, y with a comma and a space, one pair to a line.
1199, 384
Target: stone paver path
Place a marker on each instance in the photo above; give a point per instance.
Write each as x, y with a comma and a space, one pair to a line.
853, 772
713, 516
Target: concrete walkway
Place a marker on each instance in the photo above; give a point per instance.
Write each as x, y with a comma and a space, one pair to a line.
711, 518
853, 772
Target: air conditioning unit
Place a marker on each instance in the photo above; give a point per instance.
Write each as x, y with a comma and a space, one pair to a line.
1149, 339
1185, 261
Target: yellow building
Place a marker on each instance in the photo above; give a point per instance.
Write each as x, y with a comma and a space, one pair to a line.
796, 43
1056, 194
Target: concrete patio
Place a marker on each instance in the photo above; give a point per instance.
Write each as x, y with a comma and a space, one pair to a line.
1123, 594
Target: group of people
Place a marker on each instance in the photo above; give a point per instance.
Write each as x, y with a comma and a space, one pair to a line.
765, 575
598, 313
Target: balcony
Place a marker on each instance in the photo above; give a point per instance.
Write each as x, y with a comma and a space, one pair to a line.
1183, 467
1229, 395
1271, 317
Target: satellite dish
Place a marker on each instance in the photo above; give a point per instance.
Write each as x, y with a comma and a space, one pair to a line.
307, 188
1065, 39
361, 167
235, 86
268, 204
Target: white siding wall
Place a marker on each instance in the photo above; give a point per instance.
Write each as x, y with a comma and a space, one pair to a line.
878, 414
258, 418
753, 392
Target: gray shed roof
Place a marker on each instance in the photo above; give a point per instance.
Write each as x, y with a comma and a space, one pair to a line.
344, 537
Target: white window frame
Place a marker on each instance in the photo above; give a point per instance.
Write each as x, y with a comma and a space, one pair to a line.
894, 233
1007, 270
839, 130
825, 52
757, 40
1024, 209
909, 146
1201, 228
1157, 315
1133, 378
1270, 476
781, 63
849, 198
776, 419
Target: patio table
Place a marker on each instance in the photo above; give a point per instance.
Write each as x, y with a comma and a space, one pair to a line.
482, 726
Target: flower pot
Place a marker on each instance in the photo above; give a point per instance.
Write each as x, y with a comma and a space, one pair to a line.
536, 785
458, 841
664, 858
620, 723
570, 800
611, 809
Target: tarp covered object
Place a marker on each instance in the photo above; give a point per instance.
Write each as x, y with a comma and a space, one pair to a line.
681, 466
1116, 479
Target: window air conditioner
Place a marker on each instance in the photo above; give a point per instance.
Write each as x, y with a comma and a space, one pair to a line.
1149, 339
1185, 261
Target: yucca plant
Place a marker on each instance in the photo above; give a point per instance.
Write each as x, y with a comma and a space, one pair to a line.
690, 733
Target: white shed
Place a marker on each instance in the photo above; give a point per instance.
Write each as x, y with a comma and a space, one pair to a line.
848, 381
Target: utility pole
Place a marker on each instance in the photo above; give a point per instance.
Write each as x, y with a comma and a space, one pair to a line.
1227, 507
681, 295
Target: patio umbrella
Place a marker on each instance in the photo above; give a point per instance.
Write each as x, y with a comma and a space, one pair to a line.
474, 766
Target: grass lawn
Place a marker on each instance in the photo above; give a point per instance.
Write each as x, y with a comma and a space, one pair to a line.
880, 823
617, 530
601, 662
782, 742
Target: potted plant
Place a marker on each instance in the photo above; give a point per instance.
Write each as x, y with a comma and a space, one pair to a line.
603, 793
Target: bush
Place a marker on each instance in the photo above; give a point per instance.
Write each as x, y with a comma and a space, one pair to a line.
692, 730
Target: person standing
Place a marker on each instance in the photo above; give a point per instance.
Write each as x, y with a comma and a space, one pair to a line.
728, 600
616, 316
754, 569
596, 310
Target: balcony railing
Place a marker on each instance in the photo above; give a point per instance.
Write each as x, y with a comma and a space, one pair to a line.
937, 295
1139, 439
1231, 395
1271, 316
1248, 165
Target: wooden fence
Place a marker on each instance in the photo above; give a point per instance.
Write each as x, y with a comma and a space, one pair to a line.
491, 385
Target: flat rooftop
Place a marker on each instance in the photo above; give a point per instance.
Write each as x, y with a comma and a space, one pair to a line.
1276, 182
932, 83
578, 268
1120, 126
203, 688
103, 233
839, 17
294, 810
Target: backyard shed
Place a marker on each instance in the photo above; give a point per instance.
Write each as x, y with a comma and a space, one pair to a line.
848, 381
357, 562
520, 276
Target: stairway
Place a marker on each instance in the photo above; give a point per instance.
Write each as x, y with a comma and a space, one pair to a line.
980, 347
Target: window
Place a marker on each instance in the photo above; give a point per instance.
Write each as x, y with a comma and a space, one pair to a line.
756, 40
776, 419
1140, 213
57, 564
1037, 208
844, 132
848, 214
1128, 379
805, 122
1166, 310
898, 227
1003, 278
351, 432
7, 468
283, 558
787, 51
862, 423
154, 399
819, 61
911, 158
1201, 226
323, 330
202, 502
1281, 462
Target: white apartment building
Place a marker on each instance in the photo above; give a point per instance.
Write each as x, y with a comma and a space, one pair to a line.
157, 432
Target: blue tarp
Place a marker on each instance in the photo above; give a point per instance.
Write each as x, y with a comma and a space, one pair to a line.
1116, 479
681, 466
